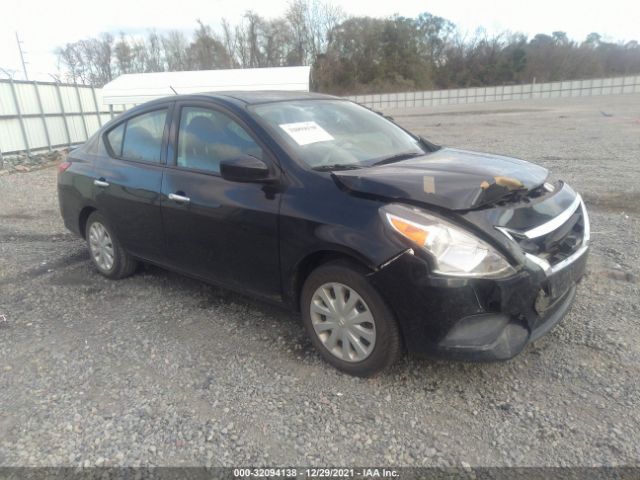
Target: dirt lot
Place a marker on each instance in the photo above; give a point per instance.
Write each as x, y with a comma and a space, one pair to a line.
162, 370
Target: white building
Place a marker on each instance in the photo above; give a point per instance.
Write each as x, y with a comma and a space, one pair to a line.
136, 88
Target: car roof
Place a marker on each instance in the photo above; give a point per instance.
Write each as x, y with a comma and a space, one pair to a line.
239, 98
250, 97
247, 97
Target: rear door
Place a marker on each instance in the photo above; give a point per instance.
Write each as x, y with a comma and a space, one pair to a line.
226, 232
127, 182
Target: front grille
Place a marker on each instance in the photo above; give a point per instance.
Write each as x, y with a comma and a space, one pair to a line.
557, 244
552, 243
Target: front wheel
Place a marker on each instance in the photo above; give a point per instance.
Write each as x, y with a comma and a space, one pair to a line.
348, 322
106, 252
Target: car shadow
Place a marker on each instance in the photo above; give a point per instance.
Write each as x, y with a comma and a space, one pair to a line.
431, 373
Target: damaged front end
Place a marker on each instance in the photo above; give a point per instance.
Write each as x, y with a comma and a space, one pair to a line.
493, 313
469, 319
495, 250
452, 179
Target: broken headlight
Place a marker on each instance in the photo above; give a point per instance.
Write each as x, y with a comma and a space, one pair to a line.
454, 250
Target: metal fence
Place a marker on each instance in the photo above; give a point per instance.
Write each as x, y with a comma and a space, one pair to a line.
40, 116
37, 116
569, 88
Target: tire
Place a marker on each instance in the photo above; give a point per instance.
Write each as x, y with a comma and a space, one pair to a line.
344, 283
121, 264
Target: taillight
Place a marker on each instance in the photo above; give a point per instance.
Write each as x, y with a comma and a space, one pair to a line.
63, 166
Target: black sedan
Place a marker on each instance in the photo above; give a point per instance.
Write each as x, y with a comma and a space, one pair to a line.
382, 240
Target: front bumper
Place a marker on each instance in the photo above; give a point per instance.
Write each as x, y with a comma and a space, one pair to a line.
475, 319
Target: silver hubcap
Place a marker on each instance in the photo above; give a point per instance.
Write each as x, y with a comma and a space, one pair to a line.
343, 322
101, 246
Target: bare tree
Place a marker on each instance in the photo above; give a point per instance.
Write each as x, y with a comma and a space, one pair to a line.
253, 26
311, 21
175, 47
300, 36
230, 42
69, 57
154, 55
206, 51
124, 55
322, 18
138, 56
276, 42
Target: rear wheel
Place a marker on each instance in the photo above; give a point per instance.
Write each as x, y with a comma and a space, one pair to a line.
348, 322
106, 252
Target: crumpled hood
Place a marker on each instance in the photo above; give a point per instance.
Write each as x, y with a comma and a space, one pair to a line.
448, 178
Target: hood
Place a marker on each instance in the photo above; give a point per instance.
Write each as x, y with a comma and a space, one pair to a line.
448, 178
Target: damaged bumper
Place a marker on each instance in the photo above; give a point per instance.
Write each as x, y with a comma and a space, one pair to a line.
475, 319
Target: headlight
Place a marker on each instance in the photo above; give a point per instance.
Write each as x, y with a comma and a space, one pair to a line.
454, 251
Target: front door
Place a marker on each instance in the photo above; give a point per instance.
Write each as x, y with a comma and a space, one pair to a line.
226, 232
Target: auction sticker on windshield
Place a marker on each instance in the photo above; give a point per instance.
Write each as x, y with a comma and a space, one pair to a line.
304, 133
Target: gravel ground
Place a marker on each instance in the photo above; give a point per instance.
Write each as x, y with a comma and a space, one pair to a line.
158, 369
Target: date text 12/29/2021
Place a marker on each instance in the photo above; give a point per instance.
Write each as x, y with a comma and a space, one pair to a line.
289, 472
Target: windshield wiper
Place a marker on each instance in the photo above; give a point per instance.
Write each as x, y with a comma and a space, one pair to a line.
337, 166
397, 158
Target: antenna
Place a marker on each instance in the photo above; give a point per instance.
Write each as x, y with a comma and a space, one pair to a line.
174, 90
24, 64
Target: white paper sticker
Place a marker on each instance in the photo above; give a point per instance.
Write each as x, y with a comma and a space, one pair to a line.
306, 132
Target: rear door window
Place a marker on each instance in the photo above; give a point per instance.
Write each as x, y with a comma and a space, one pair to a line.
143, 137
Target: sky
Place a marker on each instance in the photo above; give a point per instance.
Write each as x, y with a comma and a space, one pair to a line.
44, 25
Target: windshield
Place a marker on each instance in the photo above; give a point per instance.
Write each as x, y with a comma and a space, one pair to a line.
335, 134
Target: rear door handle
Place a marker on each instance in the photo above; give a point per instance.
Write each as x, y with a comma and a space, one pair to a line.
179, 198
101, 183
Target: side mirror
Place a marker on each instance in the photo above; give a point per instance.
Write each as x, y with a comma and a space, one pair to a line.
244, 168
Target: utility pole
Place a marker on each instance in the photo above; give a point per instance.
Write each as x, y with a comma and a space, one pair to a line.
24, 64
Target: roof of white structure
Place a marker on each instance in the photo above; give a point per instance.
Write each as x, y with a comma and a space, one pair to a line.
134, 88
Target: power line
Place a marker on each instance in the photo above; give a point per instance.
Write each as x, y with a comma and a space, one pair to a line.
6, 72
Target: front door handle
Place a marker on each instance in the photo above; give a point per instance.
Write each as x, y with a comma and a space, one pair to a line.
101, 183
179, 198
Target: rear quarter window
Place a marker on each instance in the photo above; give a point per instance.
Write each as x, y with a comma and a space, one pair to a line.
115, 137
